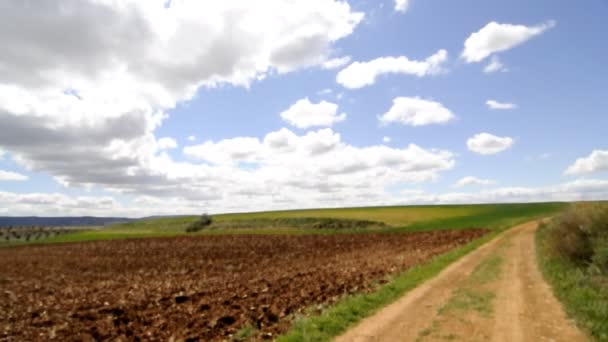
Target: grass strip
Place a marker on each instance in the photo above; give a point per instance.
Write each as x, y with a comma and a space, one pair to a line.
585, 298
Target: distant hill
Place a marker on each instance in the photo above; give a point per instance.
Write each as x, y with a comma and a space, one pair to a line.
60, 221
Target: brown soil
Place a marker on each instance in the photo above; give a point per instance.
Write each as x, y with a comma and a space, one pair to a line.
195, 288
522, 306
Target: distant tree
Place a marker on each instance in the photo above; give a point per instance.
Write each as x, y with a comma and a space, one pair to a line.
200, 223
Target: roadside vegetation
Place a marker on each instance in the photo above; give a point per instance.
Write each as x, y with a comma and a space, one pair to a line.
573, 255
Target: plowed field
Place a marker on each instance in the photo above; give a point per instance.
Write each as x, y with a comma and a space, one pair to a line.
198, 287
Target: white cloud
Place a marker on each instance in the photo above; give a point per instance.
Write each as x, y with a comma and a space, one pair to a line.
495, 37
495, 65
415, 111
597, 161
470, 180
335, 63
304, 114
493, 104
191, 138
386, 139
81, 100
166, 143
361, 74
329, 194
578, 190
318, 162
485, 143
12, 176
402, 5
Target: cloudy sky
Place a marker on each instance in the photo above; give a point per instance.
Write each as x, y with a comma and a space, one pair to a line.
135, 108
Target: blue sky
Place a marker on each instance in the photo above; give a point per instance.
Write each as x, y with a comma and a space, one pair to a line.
106, 131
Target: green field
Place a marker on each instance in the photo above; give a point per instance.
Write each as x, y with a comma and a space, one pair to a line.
397, 219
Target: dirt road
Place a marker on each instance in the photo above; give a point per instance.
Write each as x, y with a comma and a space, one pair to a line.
496, 293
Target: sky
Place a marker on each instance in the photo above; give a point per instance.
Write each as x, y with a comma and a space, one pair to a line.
148, 107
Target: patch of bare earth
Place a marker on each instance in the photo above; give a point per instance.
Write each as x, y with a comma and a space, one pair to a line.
195, 288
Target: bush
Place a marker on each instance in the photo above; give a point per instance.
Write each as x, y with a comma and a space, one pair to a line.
573, 254
200, 223
579, 235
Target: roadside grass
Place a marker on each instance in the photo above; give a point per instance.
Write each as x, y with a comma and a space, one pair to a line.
424, 218
350, 310
583, 292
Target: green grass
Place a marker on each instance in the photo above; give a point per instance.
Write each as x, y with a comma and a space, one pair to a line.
584, 296
245, 333
393, 216
335, 320
400, 219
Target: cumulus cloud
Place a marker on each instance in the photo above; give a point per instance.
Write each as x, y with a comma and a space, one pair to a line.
495, 65
493, 104
85, 84
304, 114
496, 37
361, 74
12, 176
335, 63
486, 144
402, 5
319, 161
191, 138
597, 161
416, 111
386, 139
166, 143
470, 180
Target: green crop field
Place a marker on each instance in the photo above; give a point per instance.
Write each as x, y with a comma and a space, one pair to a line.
396, 219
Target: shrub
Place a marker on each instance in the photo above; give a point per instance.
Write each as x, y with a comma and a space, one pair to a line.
573, 254
579, 235
200, 223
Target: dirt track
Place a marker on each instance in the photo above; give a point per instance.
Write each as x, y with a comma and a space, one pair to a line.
195, 288
496, 293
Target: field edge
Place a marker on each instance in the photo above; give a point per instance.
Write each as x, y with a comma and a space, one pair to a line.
346, 313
